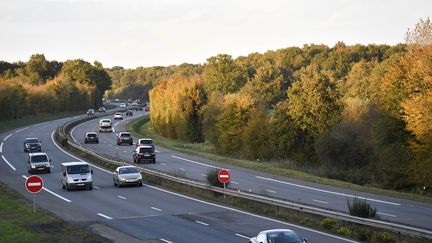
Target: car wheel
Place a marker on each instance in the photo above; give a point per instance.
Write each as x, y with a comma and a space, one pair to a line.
90, 187
63, 186
140, 184
85, 141
49, 170
154, 161
29, 171
67, 187
115, 184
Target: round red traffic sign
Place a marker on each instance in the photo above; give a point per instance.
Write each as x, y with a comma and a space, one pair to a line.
224, 176
34, 184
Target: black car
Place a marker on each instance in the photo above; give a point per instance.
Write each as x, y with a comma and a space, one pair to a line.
124, 137
91, 137
144, 153
129, 113
32, 145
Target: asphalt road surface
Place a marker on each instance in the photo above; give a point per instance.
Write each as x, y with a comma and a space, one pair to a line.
144, 213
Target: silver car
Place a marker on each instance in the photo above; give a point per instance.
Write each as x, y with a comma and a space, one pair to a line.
127, 175
277, 235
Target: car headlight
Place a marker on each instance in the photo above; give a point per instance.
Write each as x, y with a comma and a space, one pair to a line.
33, 167
122, 179
140, 177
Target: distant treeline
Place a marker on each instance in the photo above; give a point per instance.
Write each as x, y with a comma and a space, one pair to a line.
41, 86
357, 113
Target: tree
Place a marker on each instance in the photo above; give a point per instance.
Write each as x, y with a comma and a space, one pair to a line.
223, 74
313, 102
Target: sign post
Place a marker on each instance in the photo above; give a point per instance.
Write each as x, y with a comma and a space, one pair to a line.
34, 184
224, 177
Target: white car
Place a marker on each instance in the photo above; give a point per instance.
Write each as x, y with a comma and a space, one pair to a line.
127, 175
122, 105
118, 116
277, 235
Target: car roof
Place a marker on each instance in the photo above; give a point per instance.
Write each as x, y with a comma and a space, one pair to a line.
91, 133
75, 163
277, 230
36, 154
31, 138
126, 166
124, 133
141, 139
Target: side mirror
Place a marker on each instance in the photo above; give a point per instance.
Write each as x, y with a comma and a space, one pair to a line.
49, 160
305, 239
64, 173
92, 171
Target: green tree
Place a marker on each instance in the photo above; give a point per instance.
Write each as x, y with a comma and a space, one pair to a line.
223, 74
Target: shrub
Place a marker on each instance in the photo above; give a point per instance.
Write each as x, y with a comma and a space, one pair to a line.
361, 208
328, 224
344, 231
382, 237
212, 178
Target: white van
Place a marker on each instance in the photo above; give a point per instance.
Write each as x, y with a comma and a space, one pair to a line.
76, 175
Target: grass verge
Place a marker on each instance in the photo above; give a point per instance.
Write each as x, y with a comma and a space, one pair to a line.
18, 223
141, 127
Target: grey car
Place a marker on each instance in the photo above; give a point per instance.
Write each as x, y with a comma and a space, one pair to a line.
127, 175
277, 235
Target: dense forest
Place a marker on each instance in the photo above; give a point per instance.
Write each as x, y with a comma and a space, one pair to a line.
357, 113
42, 86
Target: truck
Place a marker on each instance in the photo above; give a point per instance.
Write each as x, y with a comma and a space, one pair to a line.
105, 125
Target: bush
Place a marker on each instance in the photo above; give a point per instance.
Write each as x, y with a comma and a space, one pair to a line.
344, 231
382, 237
212, 178
328, 224
361, 208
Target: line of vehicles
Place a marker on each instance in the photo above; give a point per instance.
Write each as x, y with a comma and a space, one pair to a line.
78, 175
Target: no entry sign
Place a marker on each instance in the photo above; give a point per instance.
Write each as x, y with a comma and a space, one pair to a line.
34, 184
224, 176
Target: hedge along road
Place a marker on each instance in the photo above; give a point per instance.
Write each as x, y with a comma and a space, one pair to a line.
389, 208
145, 213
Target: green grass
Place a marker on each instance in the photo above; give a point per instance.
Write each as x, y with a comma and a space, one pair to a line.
142, 128
18, 223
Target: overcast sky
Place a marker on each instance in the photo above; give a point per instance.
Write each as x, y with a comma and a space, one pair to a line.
133, 33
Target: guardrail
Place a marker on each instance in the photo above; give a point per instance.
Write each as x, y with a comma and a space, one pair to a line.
394, 227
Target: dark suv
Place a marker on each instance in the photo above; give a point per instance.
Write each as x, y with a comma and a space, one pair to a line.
91, 137
32, 145
144, 153
124, 137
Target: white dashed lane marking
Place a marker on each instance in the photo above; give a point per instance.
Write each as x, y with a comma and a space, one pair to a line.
199, 222
122, 197
242, 236
319, 201
104, 216
157, 209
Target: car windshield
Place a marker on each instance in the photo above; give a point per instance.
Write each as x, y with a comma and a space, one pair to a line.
91, 135
39, 158
78, 169
106, 121
285, 237
128, 170
146, 141
146, 150
32, 140
125, 135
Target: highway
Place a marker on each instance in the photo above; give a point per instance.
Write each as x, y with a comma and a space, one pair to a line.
141, 213
389, 208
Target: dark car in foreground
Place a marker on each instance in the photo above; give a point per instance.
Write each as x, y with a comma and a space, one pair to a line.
32, 145
124, 137
144, 153
277, 235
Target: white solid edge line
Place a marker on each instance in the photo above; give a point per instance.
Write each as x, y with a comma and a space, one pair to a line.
166, 241
22, 129
212, 204
72, 131
7, 162
198, 163
199, 222
104, 216
52, 193
8, 136
73, 156
326, 191
1, 147
242, 236
122, 197
251, 214
157, 209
